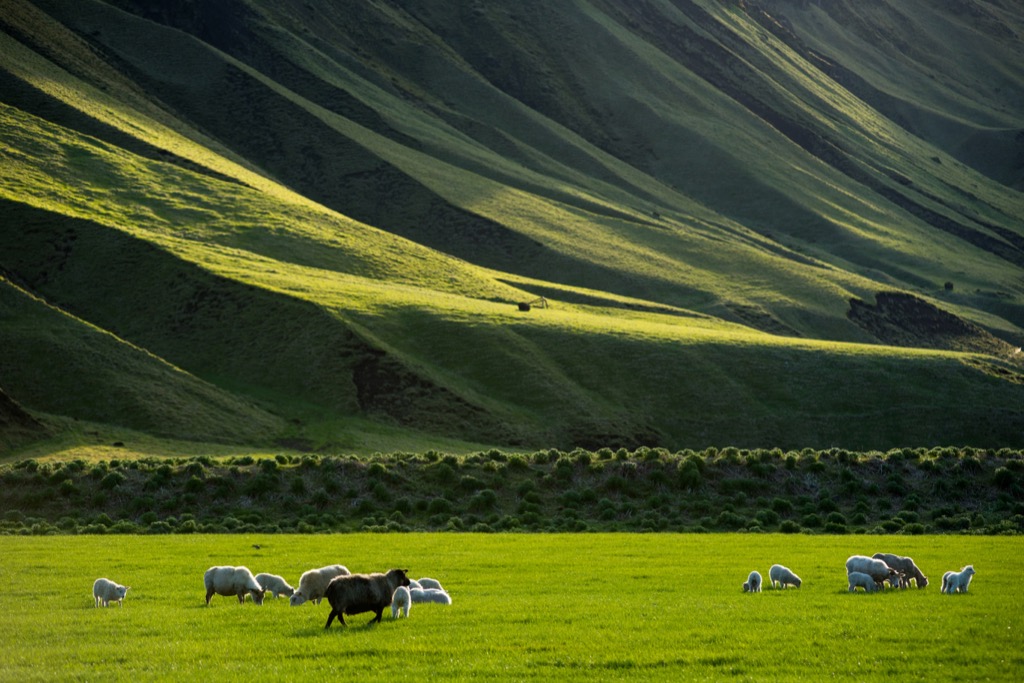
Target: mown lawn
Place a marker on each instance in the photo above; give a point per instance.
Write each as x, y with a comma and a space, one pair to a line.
525, 606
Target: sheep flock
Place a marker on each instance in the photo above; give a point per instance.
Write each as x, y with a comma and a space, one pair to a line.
348, 593
870, 574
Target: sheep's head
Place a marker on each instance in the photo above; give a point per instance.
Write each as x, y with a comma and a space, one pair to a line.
398, 577
257, 596
297, 598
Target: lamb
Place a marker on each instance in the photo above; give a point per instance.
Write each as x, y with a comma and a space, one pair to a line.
232, 581
275, 584
434, 595
753, 583
906, 566
105, 590
358, 593
861, 580
313, 584
400, 602
876, 569
783, 576
957, 582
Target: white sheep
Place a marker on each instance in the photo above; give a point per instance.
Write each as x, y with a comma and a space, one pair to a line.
753, 583
400, 601
413, 583
783, 576
313, 584
957, 582
105, 590
429, 583
876, 569
274, 584
228, 580
434, 595
861, 580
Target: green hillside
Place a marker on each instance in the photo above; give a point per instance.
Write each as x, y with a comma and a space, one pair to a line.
311, 224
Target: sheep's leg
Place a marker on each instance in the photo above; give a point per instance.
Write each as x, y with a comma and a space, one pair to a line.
380, 613
335, 613
209, 594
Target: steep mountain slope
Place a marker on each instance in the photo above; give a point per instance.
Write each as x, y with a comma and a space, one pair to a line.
333, 209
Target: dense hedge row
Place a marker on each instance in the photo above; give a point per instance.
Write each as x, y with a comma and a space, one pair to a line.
911, 491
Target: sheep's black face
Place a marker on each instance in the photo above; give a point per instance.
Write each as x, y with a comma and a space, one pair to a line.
399, 574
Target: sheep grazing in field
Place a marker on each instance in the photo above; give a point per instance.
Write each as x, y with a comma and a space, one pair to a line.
429, 583
753, 583
313, 584
783, 576
358, 593
434, 595
104, 591
906, 567
957, 582
876, 569
400, 602
861, 580
275, 585
232, 581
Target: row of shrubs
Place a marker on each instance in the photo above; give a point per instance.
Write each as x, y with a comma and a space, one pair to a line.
913, 491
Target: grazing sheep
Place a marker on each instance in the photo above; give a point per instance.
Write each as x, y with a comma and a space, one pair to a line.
876, 569
783, 576
957, 582
429, 583
105, 590
753, 583
313, 584
861, 580
906, 566
232, 581
400, 602
358, 593
413, 583
434, 595
275, 584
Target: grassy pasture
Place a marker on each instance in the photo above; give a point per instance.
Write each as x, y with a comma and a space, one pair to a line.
564, 607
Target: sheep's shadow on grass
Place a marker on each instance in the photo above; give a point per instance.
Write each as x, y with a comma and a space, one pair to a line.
351, 626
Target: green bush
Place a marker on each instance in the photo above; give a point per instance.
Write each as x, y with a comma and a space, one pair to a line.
482, 501
1004, 478
112, 480
689, 474
767, 518
812, 521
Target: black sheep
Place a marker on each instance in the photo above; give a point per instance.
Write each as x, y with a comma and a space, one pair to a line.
357, 593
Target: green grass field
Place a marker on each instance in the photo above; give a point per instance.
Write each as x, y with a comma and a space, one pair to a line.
525, 607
